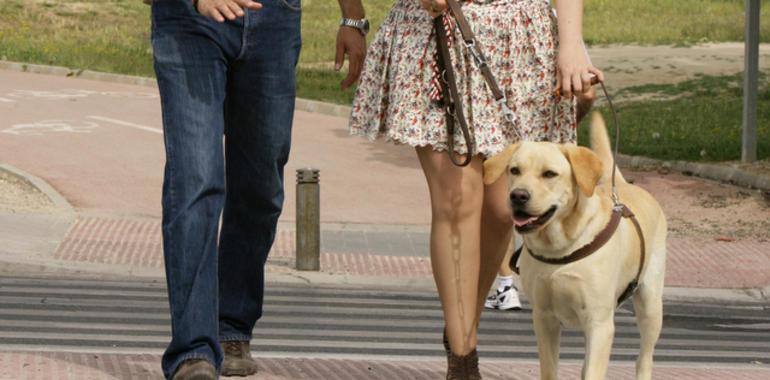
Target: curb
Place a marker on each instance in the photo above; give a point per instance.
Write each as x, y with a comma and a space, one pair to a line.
720, 173
40, 185
329, 280
76, 73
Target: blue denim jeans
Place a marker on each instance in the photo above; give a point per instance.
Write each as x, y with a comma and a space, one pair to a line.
235, 80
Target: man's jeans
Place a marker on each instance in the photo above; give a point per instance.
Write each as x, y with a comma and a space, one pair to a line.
234, 79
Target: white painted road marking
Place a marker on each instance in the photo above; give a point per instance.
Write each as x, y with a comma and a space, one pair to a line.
127, 124
77, 93
43, 126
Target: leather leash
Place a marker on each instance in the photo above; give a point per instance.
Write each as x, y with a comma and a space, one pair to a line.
451, 98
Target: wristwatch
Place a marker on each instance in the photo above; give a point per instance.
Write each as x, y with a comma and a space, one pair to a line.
362, 25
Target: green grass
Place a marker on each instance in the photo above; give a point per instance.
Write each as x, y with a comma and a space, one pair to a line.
320, 20
668, 22
323, 85
702, 122
101, 35
113, 35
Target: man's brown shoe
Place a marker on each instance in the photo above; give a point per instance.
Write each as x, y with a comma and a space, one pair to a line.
238, 360
195, 369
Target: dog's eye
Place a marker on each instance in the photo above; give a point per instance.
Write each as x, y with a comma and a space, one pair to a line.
515, 171
549, 174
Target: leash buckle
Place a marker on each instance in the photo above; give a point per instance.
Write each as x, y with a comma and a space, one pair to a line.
478, 57
509, 115
615, 198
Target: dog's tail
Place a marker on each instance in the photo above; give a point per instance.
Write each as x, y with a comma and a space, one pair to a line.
600, 144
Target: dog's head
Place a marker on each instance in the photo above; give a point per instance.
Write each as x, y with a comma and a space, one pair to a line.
544, 180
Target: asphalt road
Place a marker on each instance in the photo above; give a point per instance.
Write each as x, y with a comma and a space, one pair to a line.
131, 316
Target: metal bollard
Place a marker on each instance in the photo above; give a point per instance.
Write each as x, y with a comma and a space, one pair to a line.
308, 220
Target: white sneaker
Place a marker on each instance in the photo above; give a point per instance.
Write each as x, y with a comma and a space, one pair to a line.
491, 302
508, 299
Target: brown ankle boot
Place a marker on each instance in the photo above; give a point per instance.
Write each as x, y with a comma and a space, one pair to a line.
461, 367
195, 369
238, 360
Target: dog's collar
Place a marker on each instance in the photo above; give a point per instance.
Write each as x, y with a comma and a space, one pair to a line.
599, 241
620, 210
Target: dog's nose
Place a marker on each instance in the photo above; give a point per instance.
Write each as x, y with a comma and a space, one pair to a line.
519, 196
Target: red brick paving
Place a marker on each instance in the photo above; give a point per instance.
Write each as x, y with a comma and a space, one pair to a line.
88, 366
692, 262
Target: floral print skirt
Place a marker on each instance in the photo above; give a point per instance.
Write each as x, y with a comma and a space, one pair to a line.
519, 40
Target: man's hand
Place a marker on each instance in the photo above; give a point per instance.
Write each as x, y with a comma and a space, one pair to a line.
352, 43
219, 10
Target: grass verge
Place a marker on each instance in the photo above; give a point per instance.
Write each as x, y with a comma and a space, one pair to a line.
701, 120
113, 35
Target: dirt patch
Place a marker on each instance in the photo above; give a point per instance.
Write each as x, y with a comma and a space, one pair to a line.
630, 65
17, 196
700, 208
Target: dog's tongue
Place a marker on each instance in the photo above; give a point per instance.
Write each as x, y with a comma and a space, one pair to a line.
523, 221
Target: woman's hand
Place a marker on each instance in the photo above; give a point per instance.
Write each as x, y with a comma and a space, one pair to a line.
574, 70
434, 7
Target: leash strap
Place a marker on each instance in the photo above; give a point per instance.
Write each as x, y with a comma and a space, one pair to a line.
478, 56
451, 100
631, 288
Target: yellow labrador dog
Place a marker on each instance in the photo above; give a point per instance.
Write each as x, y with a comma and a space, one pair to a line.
561, 204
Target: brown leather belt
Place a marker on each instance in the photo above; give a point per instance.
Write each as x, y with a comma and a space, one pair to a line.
599, 241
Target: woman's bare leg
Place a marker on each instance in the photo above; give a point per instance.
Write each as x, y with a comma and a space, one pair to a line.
505, 268
456, 199
496, 234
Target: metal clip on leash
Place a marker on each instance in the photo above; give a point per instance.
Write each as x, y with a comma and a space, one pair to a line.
480, 61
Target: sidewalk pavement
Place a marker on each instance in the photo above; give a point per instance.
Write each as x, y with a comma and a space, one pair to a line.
99, 145
97, 366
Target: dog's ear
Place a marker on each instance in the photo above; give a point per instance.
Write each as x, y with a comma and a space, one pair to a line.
586, 167
497, 164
